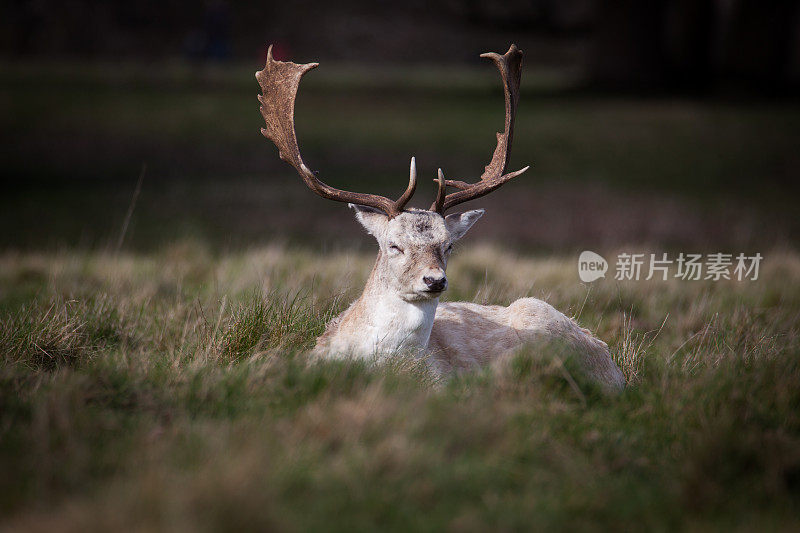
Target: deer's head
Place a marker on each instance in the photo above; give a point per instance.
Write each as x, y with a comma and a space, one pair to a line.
414, 247
414, 243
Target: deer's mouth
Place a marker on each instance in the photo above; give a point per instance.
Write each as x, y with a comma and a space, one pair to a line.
421, 295
429, 293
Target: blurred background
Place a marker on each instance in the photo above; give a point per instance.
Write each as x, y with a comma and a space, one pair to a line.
671, 123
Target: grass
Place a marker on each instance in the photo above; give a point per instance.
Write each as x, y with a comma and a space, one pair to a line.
170, 390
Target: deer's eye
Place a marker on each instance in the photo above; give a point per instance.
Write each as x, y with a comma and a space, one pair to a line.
395, 249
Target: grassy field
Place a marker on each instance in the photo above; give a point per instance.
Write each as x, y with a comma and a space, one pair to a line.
171, 391
156, 377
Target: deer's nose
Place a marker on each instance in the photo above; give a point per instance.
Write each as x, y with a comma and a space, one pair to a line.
435, 284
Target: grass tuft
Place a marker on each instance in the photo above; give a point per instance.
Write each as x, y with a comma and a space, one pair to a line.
61, 332
271, 321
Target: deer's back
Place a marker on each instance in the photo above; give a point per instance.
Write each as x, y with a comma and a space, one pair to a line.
466, 335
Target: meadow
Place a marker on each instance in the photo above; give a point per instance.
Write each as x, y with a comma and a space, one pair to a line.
154, 372
171, 391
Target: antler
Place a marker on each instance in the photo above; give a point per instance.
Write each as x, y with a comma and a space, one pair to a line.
279, 82
510, 67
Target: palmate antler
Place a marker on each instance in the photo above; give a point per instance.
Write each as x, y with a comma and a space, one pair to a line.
279, 82
510, 67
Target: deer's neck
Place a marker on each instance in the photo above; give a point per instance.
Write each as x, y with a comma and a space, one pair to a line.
381, 322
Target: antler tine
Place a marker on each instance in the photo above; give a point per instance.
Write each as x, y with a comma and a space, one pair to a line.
412, 185
438, 205
510, 67
279, 81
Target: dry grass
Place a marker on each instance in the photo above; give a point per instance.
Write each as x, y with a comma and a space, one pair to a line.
171, 391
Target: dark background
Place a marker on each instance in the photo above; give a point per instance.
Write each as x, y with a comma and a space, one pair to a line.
667, 123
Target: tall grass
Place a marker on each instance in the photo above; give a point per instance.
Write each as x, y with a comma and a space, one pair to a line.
172, 391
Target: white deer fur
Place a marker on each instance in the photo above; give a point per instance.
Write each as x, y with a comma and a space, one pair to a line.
397, 312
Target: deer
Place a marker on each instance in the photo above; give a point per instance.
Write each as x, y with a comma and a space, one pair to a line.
399, 311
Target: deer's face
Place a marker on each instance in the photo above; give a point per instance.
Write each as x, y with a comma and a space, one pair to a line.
414, 248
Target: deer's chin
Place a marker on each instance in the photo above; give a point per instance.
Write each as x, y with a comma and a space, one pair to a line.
422, 295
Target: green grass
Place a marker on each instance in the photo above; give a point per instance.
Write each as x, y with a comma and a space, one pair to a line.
171, 390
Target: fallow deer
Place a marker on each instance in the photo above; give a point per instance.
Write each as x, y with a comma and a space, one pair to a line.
399, 309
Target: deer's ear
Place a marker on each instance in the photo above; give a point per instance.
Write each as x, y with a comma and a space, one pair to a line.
373, 220
459, 223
